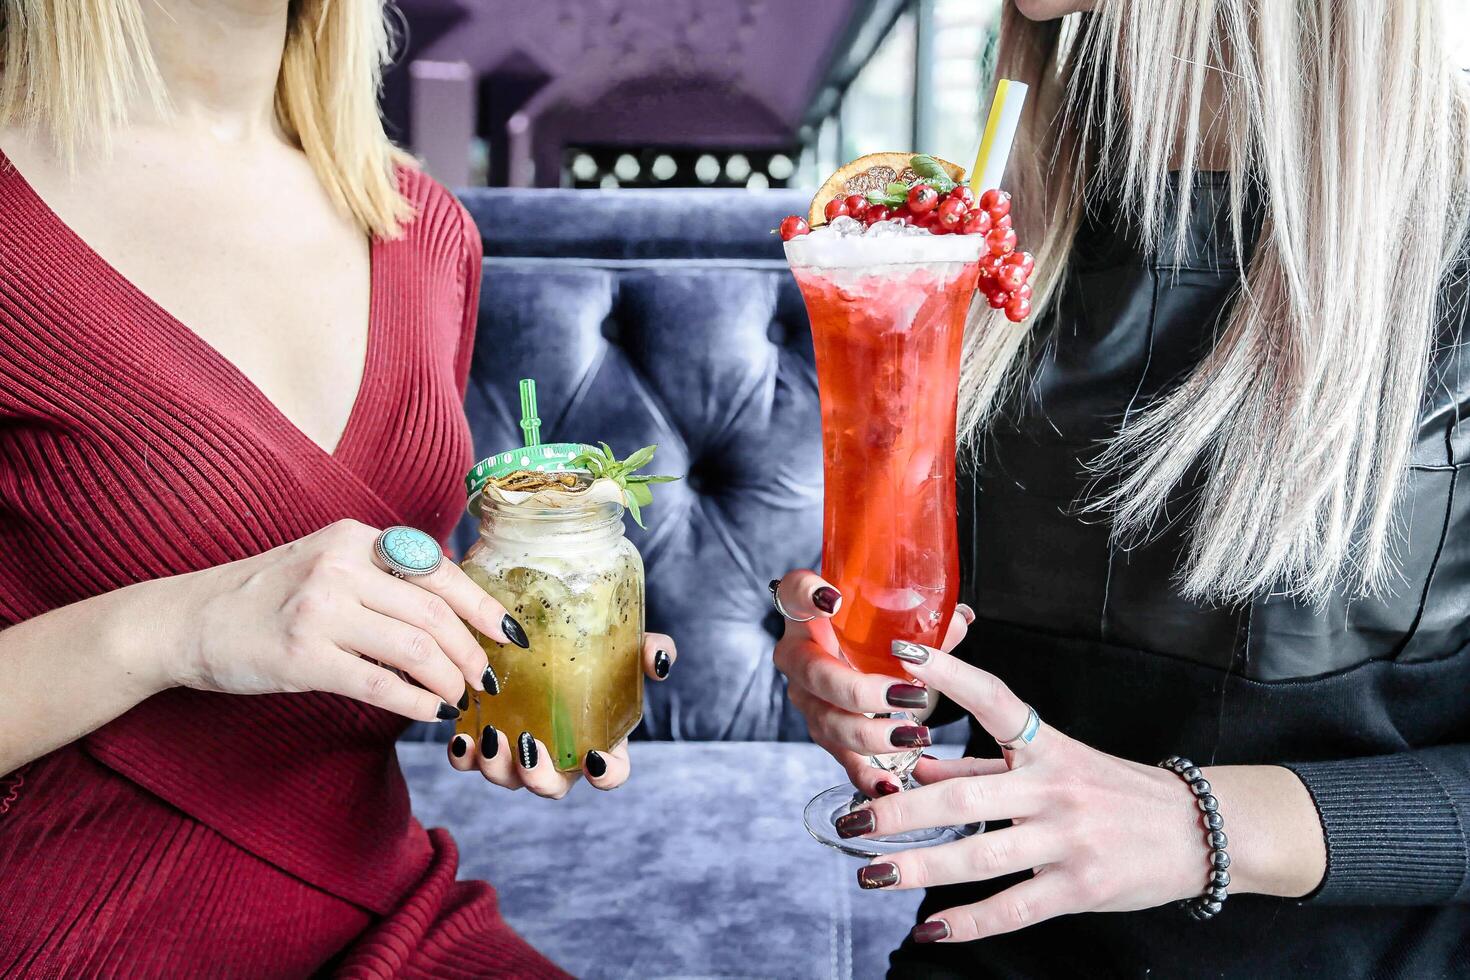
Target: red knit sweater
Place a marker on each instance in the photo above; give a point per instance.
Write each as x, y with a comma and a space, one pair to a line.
206, 834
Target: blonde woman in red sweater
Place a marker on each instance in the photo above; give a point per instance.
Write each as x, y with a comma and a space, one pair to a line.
235, 328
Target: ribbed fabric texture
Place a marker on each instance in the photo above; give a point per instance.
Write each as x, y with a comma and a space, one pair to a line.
1395, 833
201, 827
135, 888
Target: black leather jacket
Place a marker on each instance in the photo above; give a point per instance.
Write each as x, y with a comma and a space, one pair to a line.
1368, 700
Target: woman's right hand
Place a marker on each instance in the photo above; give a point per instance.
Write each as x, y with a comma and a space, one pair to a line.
835, 699
315, 614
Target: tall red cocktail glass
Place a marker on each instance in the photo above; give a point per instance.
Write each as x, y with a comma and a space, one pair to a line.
888, 319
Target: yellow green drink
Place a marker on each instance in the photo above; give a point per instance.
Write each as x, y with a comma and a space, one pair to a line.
575, 583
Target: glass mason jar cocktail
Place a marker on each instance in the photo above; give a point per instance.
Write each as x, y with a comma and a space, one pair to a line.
575, 583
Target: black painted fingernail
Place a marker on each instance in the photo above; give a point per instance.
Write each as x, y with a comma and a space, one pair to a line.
514, 632
661, 664
910, 652
595, 765
459, 745
464, 701
908, 696
526, 746
911, 737
885, 788
489, 681
827, 599
931, 931
856, 823
447, 711
878, 876
489, 742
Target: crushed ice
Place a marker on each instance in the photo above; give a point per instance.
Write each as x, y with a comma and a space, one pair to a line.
847, 227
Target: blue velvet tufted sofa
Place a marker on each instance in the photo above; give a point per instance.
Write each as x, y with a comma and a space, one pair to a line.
669, 317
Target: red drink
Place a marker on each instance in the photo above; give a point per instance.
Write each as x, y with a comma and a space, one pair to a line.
888, 317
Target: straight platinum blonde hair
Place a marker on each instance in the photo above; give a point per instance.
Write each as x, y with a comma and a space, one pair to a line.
71, 68
1350, 121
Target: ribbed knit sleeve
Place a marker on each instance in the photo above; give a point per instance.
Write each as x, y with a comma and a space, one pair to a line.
1396, 827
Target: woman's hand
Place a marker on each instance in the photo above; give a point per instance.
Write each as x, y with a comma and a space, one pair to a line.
1102, 834
320, 615
504, 759
833, 697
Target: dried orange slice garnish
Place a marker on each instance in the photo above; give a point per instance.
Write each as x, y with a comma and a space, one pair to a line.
873, 172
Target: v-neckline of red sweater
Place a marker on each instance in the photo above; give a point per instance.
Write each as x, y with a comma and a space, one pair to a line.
188, 339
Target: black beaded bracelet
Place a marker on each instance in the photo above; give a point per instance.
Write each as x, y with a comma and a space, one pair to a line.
1208, 904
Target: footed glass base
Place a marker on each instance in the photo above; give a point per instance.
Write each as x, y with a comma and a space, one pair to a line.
821, 817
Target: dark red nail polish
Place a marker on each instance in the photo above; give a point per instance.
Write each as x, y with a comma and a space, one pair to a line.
856, 823
459, 745
885, 788
931, 931
911, 737
878, 876
908, 696
827, 599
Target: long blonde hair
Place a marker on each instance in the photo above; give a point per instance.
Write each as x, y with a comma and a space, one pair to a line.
71, 69
1350, 121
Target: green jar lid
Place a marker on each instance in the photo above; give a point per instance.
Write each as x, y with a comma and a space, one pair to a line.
553, 457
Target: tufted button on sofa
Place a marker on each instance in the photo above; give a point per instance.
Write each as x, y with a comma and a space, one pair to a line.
670, 317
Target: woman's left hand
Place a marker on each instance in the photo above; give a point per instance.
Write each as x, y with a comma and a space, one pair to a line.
501, 757
1102, 834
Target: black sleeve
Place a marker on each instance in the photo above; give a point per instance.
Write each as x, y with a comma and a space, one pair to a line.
1396, 827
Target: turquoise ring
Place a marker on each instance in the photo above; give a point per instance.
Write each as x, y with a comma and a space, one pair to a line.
407, 552
1027, 733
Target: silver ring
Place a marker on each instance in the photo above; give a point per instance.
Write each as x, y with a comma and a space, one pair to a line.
775, 588
1028, 732
407, 552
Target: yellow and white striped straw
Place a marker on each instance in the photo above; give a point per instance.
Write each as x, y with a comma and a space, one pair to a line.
1000, 132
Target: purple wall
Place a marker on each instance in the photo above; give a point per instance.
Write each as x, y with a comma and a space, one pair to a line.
637, 72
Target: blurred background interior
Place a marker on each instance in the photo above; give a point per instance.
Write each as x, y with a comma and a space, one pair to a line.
683, 93
691, 93
625, 162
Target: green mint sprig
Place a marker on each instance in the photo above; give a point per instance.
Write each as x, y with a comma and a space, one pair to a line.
930, 171
604, 465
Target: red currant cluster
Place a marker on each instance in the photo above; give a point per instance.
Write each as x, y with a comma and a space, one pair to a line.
1005, 281
1005, 273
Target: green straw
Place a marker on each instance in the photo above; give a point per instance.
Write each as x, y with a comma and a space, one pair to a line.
530, 424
